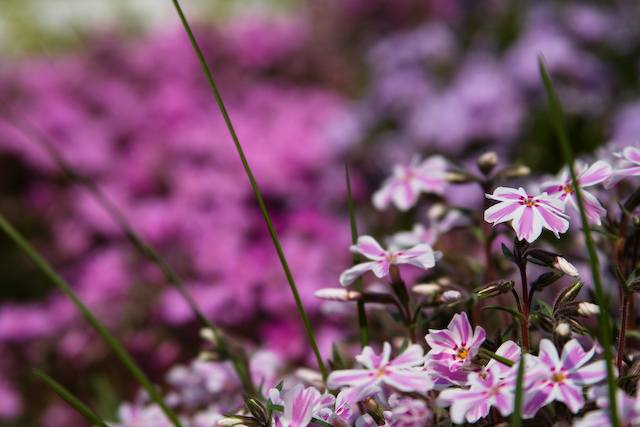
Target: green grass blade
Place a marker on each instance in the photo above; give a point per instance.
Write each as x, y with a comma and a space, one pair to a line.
111, 341
32, 133
603, 317
254, 185
362, 315
71, 399
516, 419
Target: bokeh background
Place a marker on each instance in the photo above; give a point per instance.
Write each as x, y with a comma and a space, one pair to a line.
115, 88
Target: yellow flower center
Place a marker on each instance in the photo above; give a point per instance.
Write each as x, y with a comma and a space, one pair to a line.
463, 353
568, 188
558, 377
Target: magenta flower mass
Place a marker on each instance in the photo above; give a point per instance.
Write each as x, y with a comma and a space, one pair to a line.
207, 232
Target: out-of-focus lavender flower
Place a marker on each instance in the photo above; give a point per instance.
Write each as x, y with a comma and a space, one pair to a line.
630, 155
628, 408
405, 411
421, 255
134, 415
587, 176
529, 214
407, 182
429, 235
456, 345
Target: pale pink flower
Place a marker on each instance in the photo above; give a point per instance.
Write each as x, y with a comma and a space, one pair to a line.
586, 177
456, 345
429, 235
402, 373
529, 214
562, 378
628, 409
421, 255
632, 156
298, 406
487, 389
407, 182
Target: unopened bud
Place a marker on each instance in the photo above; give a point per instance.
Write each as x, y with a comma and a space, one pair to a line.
450, 297
208, 334
428, 289
495, 288
230, 422
564, 266
209, 356
337, 294
438, 210
516, 171
374, 410
487, 161
588, 309
458, 177
336, 421
568, 294
563, 329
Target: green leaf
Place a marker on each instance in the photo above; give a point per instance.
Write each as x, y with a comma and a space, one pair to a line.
565, 145
337, 359
111, 341
623, 282
70, 399
516, 420
256, 190
507, 253
500, 359
543, 307
515, 313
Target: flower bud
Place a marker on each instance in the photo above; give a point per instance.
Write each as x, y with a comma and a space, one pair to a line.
337, 294
588, 309
427, 289
563, 329
458, 177
208, 334
495, 288
487, 161
450, 297
230, 422
209, 356
438, 210
516, 171
564, 266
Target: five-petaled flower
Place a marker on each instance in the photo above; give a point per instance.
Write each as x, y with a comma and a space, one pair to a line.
457, 345
407, 182
632, 156
529, 214
421, 255
587, 176
402, 373
562, 378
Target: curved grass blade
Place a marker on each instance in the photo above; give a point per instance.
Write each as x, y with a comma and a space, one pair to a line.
516, 420
71, 399
603, 318
254, 186
111, 341
362, 315
32, 133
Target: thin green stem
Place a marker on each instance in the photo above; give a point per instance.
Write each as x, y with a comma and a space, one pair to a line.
240, 363
603, 317
362, 315
254, 185
111, 341
82, 409
516, 420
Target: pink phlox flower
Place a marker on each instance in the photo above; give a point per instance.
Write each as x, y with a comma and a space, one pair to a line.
402, 373
587, 176
298, 406
422, 256
486, 389
562, 378
630, 155
142, 416
458, 344
429, 235
443, 376
327, 407
528, 214
509, 350
408, 412
407, 182
628, 409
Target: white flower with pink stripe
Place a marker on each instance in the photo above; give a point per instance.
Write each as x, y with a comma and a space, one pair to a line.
456, 345
421, 255
528, 214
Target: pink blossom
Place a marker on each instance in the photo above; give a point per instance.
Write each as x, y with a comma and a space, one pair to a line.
630, 155
586, 177
407, 182
562, 378
529, 214
421, 255
486, 389
400, 373
457, 345
628, 409
429, 235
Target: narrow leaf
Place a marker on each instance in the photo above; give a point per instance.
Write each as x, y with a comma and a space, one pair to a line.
111, 341
70, 399
563, 136
507, 253
254, 185
515, 313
